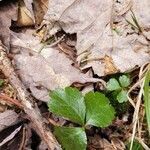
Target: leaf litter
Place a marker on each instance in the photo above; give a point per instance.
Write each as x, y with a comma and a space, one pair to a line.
103, 23
57, 68
111, 37
8, 12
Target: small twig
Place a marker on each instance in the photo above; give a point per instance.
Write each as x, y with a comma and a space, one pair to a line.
136, 115
56, 42
21, 147
11, 100
45, 45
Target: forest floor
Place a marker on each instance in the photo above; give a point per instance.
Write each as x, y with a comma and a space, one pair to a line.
74, 74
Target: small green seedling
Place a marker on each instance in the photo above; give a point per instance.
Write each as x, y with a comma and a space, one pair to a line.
1, 82
92, 109
119, 87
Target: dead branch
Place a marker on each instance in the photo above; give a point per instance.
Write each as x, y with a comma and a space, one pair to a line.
27, 101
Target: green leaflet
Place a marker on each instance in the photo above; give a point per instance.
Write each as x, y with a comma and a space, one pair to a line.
98, 110
71, 138
113, 84
122, 96
68, 103
119, 87
124, 81
1, 82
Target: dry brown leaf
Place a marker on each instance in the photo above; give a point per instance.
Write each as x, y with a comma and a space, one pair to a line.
31, 12
40, 8
118, 144
97, 142
7, 118
25, 14
102, 30
46, 71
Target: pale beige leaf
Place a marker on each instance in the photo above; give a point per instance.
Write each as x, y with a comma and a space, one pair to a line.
7, 118
8, 12
46, 71
103, 31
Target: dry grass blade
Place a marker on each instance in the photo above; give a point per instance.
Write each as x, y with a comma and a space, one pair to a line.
140, 83
136, 115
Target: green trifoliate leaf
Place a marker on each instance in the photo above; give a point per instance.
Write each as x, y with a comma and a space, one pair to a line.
71, 138
122, 96
68, 103
113, 85
124, 81
98, 110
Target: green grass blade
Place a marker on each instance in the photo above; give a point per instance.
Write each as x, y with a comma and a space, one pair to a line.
136, 23
135, 20
132, 25
147, 98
